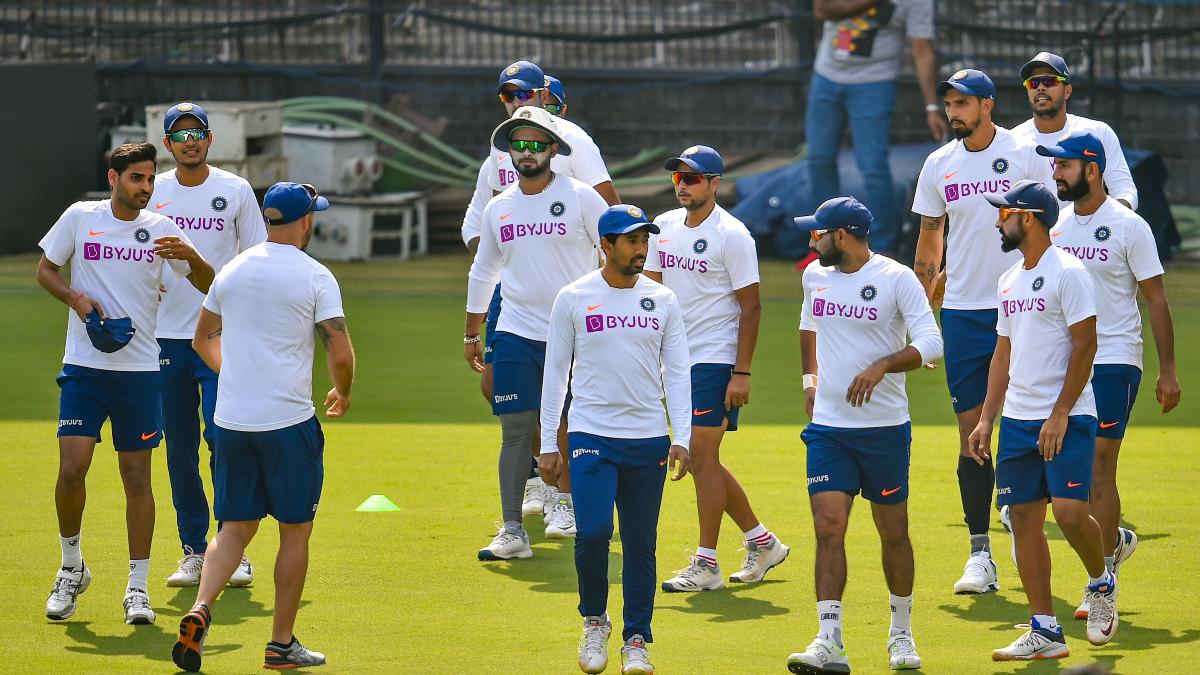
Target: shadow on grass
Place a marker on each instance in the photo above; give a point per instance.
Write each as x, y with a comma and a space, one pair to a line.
552, 567
729, 604
151, 642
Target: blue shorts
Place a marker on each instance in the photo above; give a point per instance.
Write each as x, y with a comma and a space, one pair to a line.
709, 382
873, 461
517, 365
1023, 476
131, 399
970, 339
489, 328
277, 473
1115, 387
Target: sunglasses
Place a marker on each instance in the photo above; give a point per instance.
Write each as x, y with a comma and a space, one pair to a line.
1006, 211
689, 177
817, 234
1046, 81
184, 135
536, 147
554, 108
517, 95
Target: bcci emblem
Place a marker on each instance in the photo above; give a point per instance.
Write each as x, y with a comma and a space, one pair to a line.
184, 107
868, 293
219, 204
525, 114
142, 235
1103, 233
648, 304
700, 246
1000, 165
557, 209
512, 70
634, 212
959, 75
692, 150
1038, 283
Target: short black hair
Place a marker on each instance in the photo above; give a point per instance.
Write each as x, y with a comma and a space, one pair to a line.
612, 239
132, 153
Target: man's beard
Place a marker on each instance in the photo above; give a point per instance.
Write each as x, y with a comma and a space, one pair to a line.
964, 131
1048, 113
535, 170
834, 257
1074, 192
695, 204
1007, 244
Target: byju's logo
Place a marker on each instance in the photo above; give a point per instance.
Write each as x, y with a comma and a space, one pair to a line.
595, 323
584, 451
952, 192
506, 233
819, 307
91, 251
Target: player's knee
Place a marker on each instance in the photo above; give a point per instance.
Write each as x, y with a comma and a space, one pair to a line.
1070, 514
592, 534
72, 475
829, 528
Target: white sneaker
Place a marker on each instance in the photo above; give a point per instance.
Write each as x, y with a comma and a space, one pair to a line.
699, 575
822, 656
507, 544
1126, 543
137, 608
902, 652
243, 575
188, 572
562, 521
535, 492
549, 499
1081, 612
1006, 521
68, 585
294, 655
759, 561
1035, 644
635, 660
593, 645
979, 575
1102, 618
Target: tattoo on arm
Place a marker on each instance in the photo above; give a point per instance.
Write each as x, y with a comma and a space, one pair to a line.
337, 323
215, 334
931, 223
925, 270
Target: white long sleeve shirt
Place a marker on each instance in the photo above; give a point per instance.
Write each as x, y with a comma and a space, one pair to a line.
629, 348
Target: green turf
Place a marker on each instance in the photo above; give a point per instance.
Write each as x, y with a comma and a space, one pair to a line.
402, 592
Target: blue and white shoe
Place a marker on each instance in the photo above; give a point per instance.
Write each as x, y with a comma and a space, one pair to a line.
1006, 521
1102, 618
1126, 544
1036, 644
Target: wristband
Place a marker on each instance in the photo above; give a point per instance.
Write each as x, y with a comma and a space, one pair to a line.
932, 107
810, 381
470, 339
75, 299
741, 372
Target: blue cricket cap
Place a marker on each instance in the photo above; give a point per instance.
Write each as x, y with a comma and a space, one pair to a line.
623, 219
1076, 145
556, 87
109, 335
1049, 60
1028, 194
181, 110
970, 82
288, 202
839, 213
524, 75
700, 158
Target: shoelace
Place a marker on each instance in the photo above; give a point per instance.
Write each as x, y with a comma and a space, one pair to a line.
690, 572
504, 537
1099, 611
138, 601
563, 510
192, 563
904, 644
245, 562
62, 587
635, 653
752, 556
593, 638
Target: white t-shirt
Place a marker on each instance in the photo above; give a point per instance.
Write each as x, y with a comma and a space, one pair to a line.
584, 163
113, 262
1118, 250
222, 218
270, 299
860, 318
473, 218
1037, 308
1117, 176
534, 245
954, 180
704, 265
628, 345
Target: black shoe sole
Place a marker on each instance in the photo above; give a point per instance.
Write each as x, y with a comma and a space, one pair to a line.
805, 669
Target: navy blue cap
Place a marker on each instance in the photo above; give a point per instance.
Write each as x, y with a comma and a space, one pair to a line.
180, 110
839, 213
109, 335
1076, 145
1028, 194
556, 87
1049, 60
970, 82
623, 219
288, 202
534, 118
700, 158
524, 75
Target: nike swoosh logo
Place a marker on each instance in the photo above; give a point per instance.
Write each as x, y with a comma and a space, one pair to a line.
888, 493
152, 434
951, 174
159, 206
822, 289
1071, 484
93, 233
698, 413
1005, 291
505, 216
663, 463
1089, 153
1057, 234
663, 241
592, 308
1108, 425
1108, 631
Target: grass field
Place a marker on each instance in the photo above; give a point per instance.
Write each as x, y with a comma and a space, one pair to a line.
403, 593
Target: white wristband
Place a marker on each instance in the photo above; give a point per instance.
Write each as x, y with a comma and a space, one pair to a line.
810, 381
932, 107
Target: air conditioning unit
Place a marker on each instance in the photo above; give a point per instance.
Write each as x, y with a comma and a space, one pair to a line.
334, 160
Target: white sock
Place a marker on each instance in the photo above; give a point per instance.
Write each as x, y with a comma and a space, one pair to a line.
139, 573
1102, 579
72, 553
1046, 621
760, 536
829, 615
901, 613
708, 555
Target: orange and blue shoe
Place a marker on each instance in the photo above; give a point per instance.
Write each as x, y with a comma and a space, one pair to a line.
190, 646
